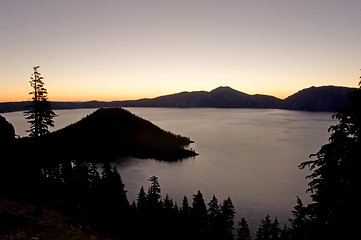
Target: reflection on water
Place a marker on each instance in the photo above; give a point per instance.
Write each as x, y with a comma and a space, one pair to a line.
250, 155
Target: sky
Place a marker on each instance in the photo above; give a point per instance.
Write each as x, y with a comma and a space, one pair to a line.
129, 49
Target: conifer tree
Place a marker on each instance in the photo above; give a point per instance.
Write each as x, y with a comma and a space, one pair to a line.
40, 116
168, 203
185, 210
94, 176
300, 221
176, 208
228, 211
286, 234
199, 212
113, 187
275, 230
142, 200
214, 219
243, 232
264, 229
198, 206
335, 183
186, 224
154, 193
81, 179
119, 187
268, 230
213, 209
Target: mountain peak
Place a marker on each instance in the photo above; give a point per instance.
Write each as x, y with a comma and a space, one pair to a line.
223, 88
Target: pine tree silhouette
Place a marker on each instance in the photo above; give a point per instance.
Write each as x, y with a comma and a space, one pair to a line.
40, 116
243, 232
335, 181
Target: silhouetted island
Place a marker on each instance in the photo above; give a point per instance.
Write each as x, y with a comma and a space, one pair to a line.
108, 133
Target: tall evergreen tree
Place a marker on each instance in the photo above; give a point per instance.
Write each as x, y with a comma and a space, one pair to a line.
154, 193
185, 209
142, 200
81, 179
213, 209
198, 206
113, 203
243, 232
335, 183
286, 234
120, 192
199, 213
275, 229
94, 176
214, 219
268, 230
40, 116
228, 211
113, 187
300, 221
168, 203
264, 230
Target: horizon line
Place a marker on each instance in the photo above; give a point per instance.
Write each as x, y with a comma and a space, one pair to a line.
186, 91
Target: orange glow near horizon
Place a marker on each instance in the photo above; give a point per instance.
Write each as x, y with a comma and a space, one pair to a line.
79, 96
63, 88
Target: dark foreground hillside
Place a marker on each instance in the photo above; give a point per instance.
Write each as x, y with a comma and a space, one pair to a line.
26, 221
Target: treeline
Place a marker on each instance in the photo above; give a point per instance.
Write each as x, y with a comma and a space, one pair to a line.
96, 196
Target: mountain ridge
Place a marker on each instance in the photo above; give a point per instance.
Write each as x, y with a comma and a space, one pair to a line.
323, 98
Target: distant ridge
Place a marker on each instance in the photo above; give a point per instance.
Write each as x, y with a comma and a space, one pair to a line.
325, 98
221, 97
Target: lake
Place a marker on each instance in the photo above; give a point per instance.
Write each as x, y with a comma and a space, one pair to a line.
251, 155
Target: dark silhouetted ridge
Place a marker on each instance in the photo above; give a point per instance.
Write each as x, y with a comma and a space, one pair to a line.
221, 97
327, 98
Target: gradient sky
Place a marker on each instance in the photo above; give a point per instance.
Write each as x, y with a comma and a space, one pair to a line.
129, 49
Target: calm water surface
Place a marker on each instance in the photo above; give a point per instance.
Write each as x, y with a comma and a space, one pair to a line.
250, 155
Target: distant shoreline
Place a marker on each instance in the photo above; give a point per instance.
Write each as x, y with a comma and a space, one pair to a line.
325, 99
